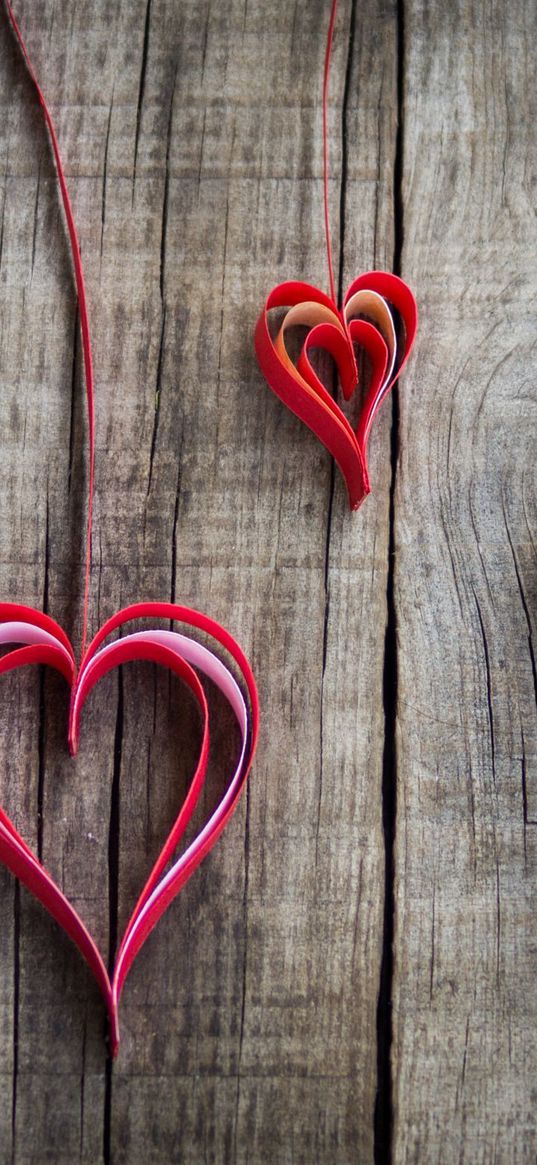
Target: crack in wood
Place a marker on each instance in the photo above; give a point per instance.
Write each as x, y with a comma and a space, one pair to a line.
524, 602
332, 485
325, 646
107, 1129
83, 1082
105, 173
158, 395
204, 41
113, 892
164, 222
2, 227
16, 1005
174, 526
489, 687
72, 415
36, 218
383, 1116
41, 738
244, 962
141, 92
114, 827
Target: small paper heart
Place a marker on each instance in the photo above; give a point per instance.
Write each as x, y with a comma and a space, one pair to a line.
367, 321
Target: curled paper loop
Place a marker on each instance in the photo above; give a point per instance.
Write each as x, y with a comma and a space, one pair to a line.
374, 305
43, 641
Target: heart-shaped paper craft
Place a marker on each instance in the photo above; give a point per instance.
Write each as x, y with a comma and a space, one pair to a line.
45, 642
373, 306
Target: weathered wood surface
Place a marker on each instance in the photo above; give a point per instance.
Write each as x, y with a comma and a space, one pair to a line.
465, 1002
393, 648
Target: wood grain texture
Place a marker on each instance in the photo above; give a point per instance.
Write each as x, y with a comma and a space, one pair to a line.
465, 1007
191, 137
269, 1020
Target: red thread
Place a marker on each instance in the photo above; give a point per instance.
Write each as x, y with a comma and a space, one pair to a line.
326, 78
83, 309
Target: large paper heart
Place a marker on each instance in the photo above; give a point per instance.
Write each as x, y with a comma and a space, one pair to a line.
373, 306
45, 642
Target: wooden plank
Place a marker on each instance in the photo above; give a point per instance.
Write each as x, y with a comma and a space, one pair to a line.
267, 1001
465, 1009
191, 135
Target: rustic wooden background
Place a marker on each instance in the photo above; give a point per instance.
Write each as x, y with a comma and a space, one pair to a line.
351, 976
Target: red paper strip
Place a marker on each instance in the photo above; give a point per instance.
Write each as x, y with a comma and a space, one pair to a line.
366, 320
48, 644
34, 637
